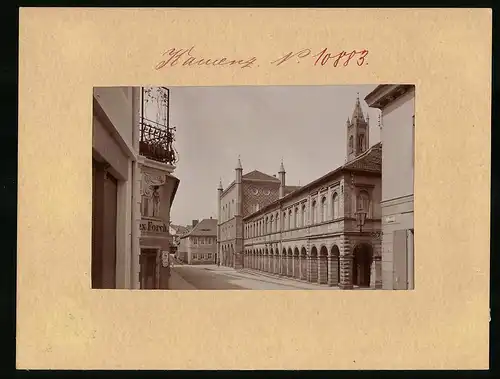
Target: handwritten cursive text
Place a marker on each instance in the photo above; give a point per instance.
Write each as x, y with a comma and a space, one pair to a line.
186, 57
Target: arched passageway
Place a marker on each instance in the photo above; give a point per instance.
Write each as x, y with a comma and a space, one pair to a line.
296, 264
283, 262
289, 263
323, 266
361, 265
303, 264
334, 269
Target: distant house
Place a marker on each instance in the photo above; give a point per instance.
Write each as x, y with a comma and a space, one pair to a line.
199, 245
177, 231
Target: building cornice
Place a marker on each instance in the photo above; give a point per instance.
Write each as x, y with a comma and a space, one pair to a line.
385, 94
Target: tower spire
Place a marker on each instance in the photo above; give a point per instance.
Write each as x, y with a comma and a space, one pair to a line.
357, 113
238, 165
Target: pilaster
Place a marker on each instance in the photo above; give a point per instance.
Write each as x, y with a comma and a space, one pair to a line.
313, 270
345, 264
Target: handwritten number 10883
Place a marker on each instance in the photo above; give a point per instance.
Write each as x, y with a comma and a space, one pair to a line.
324, 57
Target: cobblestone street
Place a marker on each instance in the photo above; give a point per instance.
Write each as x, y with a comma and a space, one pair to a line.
212, 277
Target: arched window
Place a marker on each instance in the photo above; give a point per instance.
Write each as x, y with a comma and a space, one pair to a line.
351, 144
364, 203
297, 217
284, 220
272, 224
290, 216
323, 209
313, 213
361, 141
267, 225
303, 217
277, 221
335, 210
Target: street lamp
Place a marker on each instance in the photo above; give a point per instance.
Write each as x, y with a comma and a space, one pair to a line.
360, 219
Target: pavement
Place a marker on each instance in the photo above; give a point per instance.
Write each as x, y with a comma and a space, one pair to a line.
213, 277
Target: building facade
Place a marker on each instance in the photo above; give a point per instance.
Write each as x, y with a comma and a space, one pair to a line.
132, 191
199, 245
114, 172
397, 105
325, 232
158, 186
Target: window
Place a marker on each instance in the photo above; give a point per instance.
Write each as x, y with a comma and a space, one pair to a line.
303, 218
290, 224
272, 225
209, 255
323, 209
296, 217
267, 225
194, 240
313, 213
335, 201
284, 220
364, 203
351, 144
361, 141
277, 222
202, 241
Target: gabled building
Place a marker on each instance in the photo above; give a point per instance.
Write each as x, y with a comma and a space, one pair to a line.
199, 245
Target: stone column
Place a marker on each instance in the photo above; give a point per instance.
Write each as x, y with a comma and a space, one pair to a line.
333, 265
296, 259
322, 270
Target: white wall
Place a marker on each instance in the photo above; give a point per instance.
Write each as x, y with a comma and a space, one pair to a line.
397, 149
117, 104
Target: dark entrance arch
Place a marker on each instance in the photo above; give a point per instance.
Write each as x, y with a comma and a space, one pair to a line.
361, 265
313, 265
323, 262
335, 253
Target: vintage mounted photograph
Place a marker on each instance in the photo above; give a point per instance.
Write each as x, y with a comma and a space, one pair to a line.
253, 187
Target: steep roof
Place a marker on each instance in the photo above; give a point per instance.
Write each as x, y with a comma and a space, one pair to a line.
370, 160
258, 175
206, 227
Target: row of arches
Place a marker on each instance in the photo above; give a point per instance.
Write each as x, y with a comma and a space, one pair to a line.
323, 266
226, 255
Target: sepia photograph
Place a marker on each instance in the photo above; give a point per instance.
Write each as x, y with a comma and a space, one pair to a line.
253, 187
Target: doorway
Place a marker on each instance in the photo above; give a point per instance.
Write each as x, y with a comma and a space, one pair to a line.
149, 276
361, 265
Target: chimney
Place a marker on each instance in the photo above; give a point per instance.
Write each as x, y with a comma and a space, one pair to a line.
195, 222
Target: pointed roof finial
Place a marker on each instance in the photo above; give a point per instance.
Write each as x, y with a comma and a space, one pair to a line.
282, 167
220, 184
238, 166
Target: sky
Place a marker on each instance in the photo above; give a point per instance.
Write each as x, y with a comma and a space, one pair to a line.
305, 126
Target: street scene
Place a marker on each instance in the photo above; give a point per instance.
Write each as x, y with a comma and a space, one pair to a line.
254, 188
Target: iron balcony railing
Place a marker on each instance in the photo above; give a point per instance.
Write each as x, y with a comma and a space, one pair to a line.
157, 137
156, 142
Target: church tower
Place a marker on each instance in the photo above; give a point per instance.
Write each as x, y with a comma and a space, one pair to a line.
358, 131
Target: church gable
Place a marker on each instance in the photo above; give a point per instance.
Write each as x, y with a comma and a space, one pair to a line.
257, 175
257, 195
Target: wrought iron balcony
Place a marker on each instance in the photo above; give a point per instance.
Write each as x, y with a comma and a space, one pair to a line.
156, 136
